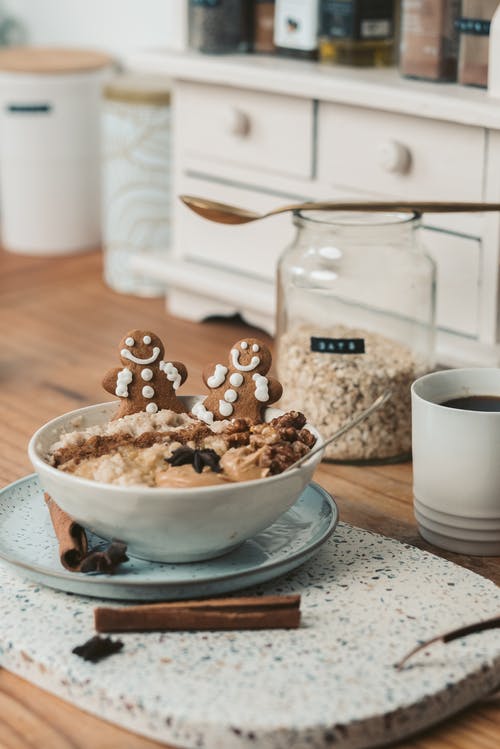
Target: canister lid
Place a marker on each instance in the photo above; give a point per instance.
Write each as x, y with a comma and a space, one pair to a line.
51, 60
135, 88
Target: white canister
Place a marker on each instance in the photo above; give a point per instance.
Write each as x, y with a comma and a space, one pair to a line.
50, 150
136, 180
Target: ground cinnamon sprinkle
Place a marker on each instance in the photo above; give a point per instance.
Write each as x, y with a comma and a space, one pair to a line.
98, 445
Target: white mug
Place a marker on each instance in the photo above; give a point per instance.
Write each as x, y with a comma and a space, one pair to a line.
456, 462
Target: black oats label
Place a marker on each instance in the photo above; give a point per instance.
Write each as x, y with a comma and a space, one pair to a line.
338, 345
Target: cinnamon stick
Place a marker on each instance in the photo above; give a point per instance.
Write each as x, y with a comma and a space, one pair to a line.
70, 535
257, 612
455, 634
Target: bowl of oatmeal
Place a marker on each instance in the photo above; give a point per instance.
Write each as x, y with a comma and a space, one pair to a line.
170, 486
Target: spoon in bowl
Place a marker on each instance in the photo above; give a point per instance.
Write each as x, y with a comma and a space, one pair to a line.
222, 213
350, 424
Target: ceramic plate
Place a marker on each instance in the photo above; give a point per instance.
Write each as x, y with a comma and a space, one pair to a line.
28, 544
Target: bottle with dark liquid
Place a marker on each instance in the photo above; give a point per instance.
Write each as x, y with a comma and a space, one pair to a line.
357, 32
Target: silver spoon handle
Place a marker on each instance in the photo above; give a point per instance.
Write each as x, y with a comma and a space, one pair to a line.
350, 424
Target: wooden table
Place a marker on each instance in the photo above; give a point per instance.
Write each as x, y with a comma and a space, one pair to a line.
60, 328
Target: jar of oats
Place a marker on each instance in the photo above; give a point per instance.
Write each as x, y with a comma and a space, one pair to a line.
356, 308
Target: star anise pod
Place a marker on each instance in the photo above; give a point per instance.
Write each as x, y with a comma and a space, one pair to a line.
97, 647
182, 456
105, 561
197, 458
208, 458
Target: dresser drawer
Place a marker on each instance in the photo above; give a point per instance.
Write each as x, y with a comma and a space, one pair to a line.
458, 280
252, 249
256, 130
399, 156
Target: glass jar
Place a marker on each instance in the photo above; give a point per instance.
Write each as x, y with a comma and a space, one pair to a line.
357, 32
429, 39
263, 26
136, 195
218, 26
356, 308
296, 28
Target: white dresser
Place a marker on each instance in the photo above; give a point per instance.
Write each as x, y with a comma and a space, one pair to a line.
262, 131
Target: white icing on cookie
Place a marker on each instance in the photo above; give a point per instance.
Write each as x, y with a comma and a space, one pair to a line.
147, 374
236, 379
225, 409
151, 408
218, 376
148, 391
172, 373
230, 395
244, 345
202, 413
146, 339
129, 341
127, 355
261, 388
123, 379
255, 347
235, 358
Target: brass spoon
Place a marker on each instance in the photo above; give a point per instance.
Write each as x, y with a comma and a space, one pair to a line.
222, 213
350, 424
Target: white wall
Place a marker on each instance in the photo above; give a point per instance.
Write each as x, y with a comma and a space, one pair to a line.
116, 25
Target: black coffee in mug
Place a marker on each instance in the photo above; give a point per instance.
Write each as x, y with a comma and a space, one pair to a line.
475, 403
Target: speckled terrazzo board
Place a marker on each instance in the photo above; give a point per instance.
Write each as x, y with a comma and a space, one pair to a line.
366, 600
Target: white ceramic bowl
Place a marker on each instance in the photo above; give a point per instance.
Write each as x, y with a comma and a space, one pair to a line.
164, 524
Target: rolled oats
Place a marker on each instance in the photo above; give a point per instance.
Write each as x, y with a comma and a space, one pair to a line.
332, 388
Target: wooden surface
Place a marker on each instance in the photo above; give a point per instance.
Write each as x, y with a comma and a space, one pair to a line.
60, 327
51, 60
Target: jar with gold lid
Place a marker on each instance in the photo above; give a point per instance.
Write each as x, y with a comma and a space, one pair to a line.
356, 307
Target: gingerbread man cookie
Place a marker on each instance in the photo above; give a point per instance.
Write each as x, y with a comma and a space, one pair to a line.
240, 390
145, 382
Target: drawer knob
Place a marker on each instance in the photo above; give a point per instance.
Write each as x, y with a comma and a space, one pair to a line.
394, 157
237, 122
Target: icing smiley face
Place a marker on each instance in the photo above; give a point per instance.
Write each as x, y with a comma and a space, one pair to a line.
140, 347
242, 388
145, 382
249, 355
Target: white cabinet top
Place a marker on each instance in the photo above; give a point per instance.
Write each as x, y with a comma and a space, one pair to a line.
377, 88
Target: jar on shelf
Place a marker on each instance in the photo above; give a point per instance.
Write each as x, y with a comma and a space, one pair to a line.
296, 28
136, 196
356, 309
357, 32
263, 26
473, 46
429, 39
218, 26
